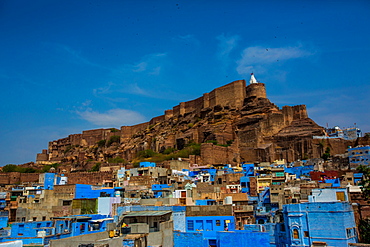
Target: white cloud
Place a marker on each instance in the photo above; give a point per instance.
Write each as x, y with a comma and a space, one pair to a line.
114, 117
226, 45
149, 65
258, 59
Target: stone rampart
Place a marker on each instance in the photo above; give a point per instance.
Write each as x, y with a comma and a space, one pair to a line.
17, 178
157, 119
88, 177
128, 131
213, 154
232, 95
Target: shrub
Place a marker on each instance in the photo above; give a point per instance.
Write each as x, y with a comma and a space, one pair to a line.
113, 139
146, 153
46, 168
96, 167
101, 143
326, 155
214, 142
169, 150
116, 160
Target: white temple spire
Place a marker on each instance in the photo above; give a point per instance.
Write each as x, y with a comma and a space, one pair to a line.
253, 79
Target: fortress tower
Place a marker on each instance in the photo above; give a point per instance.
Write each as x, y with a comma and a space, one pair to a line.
255, 88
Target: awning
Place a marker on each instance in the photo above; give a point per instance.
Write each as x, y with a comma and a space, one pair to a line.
100, 220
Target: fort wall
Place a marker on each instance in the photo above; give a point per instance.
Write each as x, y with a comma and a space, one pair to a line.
231, 94
88, 177
213, 154
128, 131
294, 113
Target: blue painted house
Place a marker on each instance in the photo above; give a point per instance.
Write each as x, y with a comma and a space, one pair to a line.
318, 222
359, 156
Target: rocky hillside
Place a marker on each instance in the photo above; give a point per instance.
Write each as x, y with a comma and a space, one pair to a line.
231, 124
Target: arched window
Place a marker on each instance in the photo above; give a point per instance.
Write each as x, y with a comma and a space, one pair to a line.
295, 234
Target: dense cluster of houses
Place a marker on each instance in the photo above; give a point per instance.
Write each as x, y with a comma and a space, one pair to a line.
278, 204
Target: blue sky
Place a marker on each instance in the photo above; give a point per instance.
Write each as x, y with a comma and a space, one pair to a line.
69, 66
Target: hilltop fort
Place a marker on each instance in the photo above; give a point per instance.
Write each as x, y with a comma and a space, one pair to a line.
233, 123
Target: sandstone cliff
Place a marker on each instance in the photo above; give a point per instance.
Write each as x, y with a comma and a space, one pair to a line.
233, 123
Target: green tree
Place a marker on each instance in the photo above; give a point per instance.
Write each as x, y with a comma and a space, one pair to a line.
326, 155
96, 167
364, 224
10, 168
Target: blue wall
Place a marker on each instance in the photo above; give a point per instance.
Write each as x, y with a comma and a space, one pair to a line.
49, 181
204, 202
359, 156
3, 221
147, 164
86, 191
28, 229
300, 171
209, 225
242, 238
189, 239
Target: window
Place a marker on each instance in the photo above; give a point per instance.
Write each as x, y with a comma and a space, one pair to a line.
190, 225
218, 222
282, 228
306, 234
209, 225
43, 218
67, 203
295, 234
199, 225
351, 232
340, 196
34, 218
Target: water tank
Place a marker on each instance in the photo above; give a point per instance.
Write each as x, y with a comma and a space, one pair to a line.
228, 200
